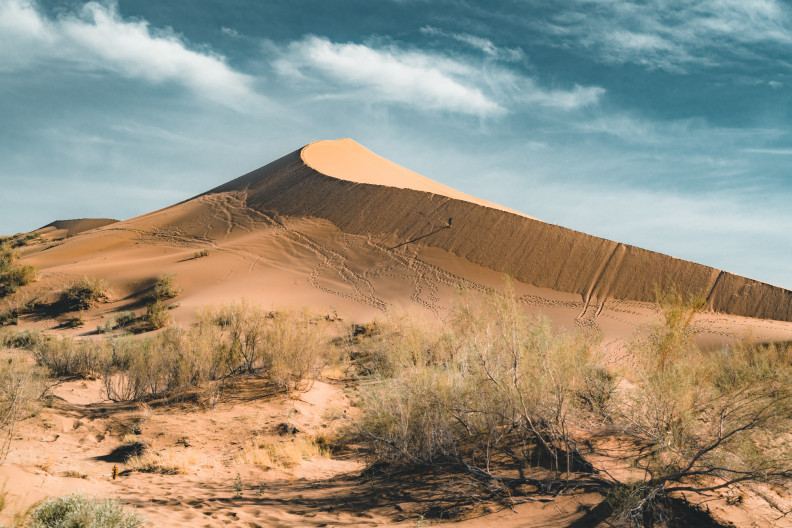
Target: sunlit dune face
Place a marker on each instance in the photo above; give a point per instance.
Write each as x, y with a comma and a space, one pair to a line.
346, 159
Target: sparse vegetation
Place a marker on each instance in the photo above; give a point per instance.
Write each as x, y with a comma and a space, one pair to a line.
157, 316
82, 294
122, 320
13, 277
21, 388
67, 357
169, 461
282, 454
201, 254
78, 510
164, 289
499, 384
505, 399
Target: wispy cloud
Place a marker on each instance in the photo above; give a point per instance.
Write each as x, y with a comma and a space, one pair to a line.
98, 38
484, 45
671, 35
421, 79
775, 152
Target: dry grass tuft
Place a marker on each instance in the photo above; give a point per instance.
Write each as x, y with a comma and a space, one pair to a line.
168, 461
282, 454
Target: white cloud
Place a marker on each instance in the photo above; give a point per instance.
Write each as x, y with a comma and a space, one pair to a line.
97, 38
484, 45
392, 75
671, 35
420, 79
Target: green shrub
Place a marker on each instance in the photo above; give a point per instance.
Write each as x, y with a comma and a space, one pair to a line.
80, 511
83, 293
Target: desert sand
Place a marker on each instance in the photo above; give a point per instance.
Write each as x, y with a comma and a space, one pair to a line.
338, 228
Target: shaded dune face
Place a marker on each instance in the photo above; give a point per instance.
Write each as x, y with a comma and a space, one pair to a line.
531, 251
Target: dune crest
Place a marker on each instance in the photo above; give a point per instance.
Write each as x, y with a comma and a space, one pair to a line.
409, 209
346, 159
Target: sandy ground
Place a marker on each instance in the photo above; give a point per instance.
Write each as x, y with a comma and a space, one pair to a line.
337, 228
69, 447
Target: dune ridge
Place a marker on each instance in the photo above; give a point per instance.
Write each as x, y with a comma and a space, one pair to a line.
529, 250
74, 226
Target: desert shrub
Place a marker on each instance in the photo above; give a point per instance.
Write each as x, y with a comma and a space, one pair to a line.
13, 277
170, 363
83, 293
67, 357
287, 345
293, 343
8, 255
702, 421
125, 319
20, 387
80, 511
201, 254
509, 388
164, 289
9, 317
27, 339
157, 316
387, 347
122, 320
107, 327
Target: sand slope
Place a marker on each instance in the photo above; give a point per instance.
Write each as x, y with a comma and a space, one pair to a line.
334, 226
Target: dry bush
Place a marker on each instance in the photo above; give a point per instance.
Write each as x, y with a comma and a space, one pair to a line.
67, 357
27, 339
704, 421
164, 289
387, 347
79, 510
500, 385
169, 363
287, 345
21, 389
501, 391
157, 316
225, 342
82, 294
293, 344
13, 277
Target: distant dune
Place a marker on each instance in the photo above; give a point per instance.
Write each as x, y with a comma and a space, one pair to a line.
67, 228
334, 225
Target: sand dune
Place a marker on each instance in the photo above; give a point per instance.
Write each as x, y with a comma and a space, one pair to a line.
338, 228
397, 206
66, 228
334, 225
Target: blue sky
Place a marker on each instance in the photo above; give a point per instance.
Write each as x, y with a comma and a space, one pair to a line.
662, 124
